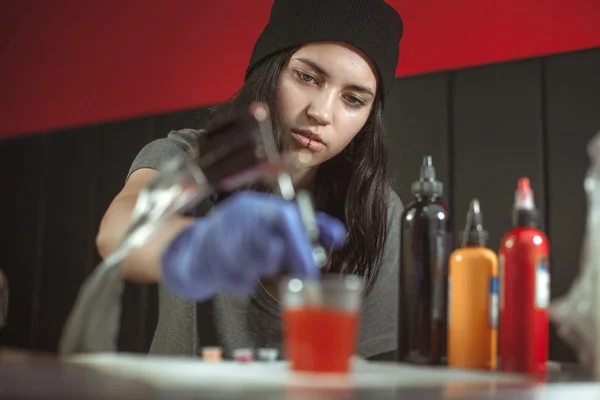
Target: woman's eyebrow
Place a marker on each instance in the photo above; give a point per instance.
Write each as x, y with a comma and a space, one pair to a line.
314, 66
361, 89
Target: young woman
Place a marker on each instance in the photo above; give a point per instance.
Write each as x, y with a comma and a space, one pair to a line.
323, 68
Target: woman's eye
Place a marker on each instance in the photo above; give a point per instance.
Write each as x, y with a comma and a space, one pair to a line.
305, 77
354, 101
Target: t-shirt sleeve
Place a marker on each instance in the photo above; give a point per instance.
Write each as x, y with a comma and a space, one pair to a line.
175, 144
379, 319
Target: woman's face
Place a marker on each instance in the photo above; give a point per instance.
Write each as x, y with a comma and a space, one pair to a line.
324, 97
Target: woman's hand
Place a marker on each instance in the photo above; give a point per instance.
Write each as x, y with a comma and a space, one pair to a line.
247, 237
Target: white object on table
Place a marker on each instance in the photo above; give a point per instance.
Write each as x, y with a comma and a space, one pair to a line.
167, 371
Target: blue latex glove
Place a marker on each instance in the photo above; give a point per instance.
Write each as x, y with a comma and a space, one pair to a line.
248, 236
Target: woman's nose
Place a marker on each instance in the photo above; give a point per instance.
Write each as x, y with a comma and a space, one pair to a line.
320, 108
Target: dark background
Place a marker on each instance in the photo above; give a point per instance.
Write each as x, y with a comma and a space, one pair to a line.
485, 127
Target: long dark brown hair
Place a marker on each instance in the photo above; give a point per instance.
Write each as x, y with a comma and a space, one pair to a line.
352, 186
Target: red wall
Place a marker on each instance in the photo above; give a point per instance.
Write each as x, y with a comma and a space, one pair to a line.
72, 62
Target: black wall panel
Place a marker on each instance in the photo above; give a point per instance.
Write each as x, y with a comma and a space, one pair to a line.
497, 138
417, 119
23, 162
485, 127
69, 201
572, 96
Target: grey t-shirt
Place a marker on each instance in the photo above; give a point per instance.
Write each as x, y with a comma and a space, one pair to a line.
255, 322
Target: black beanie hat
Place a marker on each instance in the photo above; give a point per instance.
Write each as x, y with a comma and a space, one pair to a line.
373, 26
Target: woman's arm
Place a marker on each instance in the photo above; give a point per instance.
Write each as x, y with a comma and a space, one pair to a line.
143, 264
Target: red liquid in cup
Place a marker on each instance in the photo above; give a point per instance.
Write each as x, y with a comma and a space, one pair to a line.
319, 339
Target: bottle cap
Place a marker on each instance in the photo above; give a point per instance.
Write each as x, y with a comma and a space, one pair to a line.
474, 234
524, 210
524, 196
427, 185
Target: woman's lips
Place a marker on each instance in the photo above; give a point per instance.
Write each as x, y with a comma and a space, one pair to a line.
305, 140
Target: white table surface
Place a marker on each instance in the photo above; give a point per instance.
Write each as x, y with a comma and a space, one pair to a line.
167, 371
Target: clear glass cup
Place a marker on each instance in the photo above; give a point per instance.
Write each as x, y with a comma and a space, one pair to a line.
320, 322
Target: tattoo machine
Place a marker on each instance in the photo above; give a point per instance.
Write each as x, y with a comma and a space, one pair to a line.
237, 154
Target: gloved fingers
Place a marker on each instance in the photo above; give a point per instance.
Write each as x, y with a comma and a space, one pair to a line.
274, 218
332, 232
273, 257
178, 264
234, 264
298, 254
260, 256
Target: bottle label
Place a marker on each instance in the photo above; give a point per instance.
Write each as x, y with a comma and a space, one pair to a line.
493, 303
501, 280
449, 300
542, 284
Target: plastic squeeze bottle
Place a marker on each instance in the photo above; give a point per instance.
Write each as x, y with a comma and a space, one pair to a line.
473, 298
524, 276
425, 247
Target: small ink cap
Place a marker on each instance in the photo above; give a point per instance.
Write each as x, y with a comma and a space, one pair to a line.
524, 196
427, 185
474, 234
